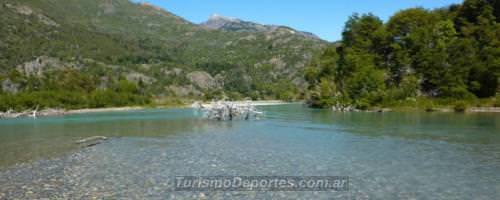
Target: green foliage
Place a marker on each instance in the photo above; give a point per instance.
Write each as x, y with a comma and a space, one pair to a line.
496, 103
71, 89
407, 89
120, 36
234, 96
214, 95
367, 84
460, 106
447, 53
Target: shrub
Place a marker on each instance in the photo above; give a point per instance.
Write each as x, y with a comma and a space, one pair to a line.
362, 104
429, 107
496, 103
460, 106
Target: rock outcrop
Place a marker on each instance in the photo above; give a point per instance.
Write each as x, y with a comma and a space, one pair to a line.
27, 11
202, 79
218, 22
10, 87
40, 65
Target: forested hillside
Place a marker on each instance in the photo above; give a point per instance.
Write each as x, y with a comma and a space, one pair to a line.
451, 54
98, 46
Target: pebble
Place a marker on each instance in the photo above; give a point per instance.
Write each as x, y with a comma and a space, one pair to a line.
92, 171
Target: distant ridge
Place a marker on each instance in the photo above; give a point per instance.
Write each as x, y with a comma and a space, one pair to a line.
219, 22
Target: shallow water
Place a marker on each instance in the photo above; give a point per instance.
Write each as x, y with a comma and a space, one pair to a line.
386, 155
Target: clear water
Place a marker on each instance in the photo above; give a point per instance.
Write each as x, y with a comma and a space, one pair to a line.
386, 155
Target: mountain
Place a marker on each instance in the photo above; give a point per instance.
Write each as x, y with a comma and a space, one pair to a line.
106, 41
218, 22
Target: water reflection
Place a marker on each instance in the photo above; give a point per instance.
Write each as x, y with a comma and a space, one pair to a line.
471, 128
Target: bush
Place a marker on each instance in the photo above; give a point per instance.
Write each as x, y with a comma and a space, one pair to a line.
460, 106
496, 103
234, 96
429, 107
408, 88
4, 102
362, 104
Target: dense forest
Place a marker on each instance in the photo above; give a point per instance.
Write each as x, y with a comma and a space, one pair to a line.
450, 54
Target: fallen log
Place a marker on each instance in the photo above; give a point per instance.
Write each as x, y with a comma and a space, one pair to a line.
91, 141
10, 114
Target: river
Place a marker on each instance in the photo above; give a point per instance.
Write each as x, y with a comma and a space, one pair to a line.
396, 155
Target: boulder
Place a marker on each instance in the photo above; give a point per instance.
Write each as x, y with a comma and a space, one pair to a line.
202, 79
23, 10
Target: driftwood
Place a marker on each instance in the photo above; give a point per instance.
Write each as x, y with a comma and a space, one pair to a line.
222, 111
18, 114
32, 113
91, 141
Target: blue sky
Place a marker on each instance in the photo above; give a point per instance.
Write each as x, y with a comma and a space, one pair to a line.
324, 18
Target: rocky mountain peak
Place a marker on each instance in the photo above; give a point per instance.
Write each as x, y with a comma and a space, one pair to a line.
217, 17
219, 22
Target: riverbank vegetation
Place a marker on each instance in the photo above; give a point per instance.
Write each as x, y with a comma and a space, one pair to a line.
71, 89
424, 58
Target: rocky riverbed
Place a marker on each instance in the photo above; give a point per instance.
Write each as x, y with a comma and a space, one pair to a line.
101, 172
385, 155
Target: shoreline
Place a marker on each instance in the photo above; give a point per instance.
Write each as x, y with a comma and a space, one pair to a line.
484, 110
98, 110
50, 112
61, 112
